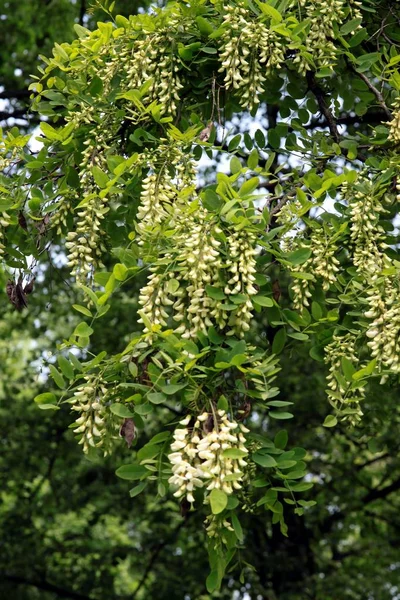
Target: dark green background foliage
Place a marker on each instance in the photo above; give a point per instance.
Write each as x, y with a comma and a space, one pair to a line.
68, 527
29, 29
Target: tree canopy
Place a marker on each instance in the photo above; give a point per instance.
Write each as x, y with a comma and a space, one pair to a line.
201, 311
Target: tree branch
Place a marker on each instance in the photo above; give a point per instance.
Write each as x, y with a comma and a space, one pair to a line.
16, 114
154, 555
18, 94
375, 91
46, 587
319, 94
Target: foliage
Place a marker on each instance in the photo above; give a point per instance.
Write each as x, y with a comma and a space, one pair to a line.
292, 252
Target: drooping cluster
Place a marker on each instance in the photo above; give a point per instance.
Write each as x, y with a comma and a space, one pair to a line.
241, 266
164, 190
366, 233
323, 264
345, 396
250, 51
5, 220
384, 331
208, 454
324, 15
88, 401
198, 265
394, 125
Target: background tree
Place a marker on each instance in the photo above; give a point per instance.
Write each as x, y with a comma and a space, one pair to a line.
81, 535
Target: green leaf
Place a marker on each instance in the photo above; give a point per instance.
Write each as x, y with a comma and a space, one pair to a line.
120, 272
46, 401
212, 582
83, 330
234, 143
275, 414
172, 286
249, 186
263, 300
58, 378
131, 472
204, 26
49, 132
281, 439
65, 366
298, 257
330, 421
218, 501
138, 489
264, 460
223, 403
82, 309
350, 26
121, 410
157, 397
215, 292
100, 177
270, 11
279, 341
233, 453
365, 371
237, 527
172, 388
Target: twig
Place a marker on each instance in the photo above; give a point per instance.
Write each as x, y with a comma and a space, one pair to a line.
154, 556
319, 94
45, 586
374, 90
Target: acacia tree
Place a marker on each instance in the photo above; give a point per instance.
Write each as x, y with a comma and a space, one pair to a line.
298, 237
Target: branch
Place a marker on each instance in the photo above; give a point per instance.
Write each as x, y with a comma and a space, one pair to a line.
378, 494
154, 555
375, 91
16, 114
46, 587
19, 94
82, 12
319, 94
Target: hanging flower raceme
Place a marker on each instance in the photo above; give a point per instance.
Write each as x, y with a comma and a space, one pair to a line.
345, 396
384, 331
366, 233
211, 453
394, 125
88, 401
241, 267
198, 263
324, 16
249, 52
5, 221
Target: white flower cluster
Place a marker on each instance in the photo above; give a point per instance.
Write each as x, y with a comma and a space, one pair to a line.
88, 400
199, 262
366, 233
323, 15
155, 60
344, 397
200, 455
241, 266
85, 243
154, 299
249, 52
394, 125
160, 199
322, 263
5, 220
384, 331
325, 263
